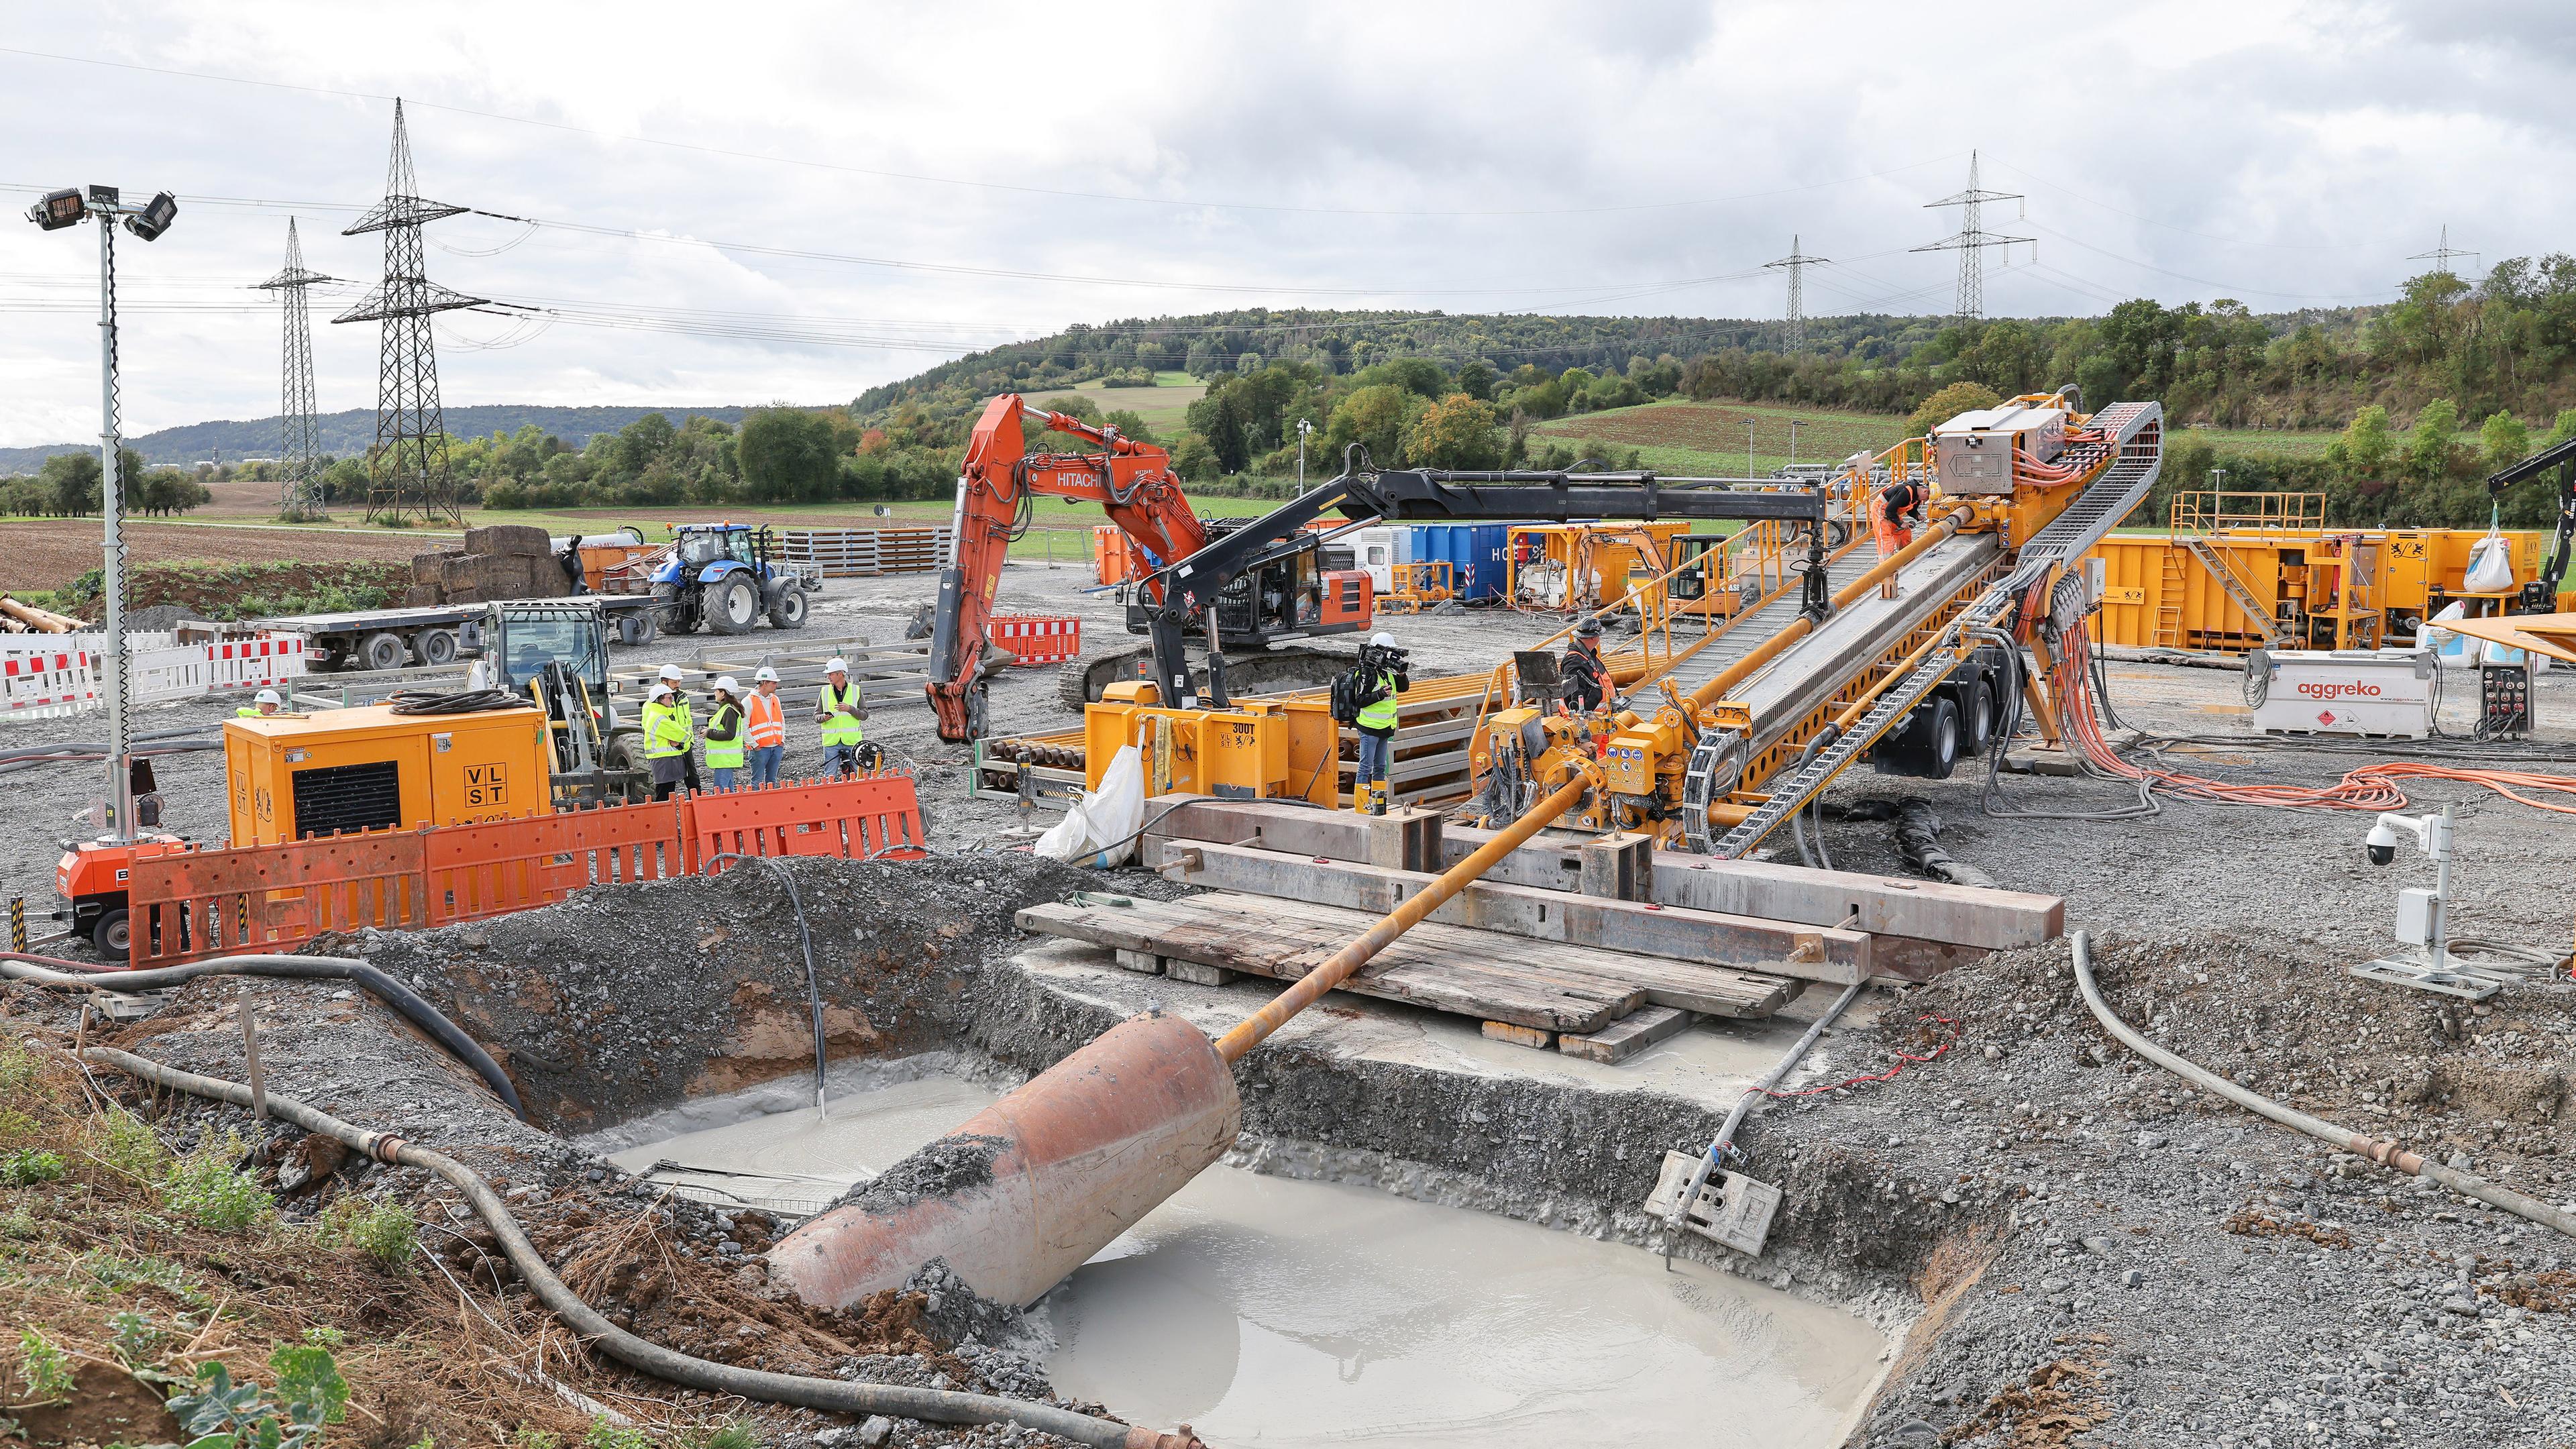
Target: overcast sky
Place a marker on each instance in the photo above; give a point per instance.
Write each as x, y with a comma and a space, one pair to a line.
1028, 167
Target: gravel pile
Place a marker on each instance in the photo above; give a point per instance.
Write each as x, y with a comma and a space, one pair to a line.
2130, 1261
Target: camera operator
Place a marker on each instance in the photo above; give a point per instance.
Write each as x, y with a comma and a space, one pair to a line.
1384, 672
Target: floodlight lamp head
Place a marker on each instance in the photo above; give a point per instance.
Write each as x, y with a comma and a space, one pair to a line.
155, 217
59, 209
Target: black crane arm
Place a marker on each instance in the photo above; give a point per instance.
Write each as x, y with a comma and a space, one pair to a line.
1188, 588
2540, 595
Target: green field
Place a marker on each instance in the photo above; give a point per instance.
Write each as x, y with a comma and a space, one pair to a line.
2276, 441
1679, 436
1162, 406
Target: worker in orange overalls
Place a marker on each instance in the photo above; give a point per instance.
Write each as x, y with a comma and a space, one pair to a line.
765, 720
1891, 520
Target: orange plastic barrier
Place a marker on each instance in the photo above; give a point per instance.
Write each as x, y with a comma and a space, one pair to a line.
272, 897
1037, 638
871, 817
201, 903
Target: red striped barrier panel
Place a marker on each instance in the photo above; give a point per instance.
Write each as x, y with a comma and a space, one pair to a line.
1037, 638
869, 817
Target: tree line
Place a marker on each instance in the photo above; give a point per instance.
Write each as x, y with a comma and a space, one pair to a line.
68, 485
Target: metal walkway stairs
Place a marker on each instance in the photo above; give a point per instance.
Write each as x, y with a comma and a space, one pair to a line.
2243, 597
2136, 429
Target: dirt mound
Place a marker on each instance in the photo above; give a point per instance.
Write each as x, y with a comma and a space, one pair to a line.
626, 999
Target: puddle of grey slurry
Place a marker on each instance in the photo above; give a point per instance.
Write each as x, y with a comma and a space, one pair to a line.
1271, 1311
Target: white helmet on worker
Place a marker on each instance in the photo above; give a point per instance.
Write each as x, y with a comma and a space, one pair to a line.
1382, 640
671, 674
660, 687
266, 696
764, 675
726, 683
836, 665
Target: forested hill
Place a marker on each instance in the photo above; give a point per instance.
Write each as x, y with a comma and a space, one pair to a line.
349, 434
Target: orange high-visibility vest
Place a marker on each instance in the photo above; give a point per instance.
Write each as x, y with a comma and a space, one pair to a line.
761, 712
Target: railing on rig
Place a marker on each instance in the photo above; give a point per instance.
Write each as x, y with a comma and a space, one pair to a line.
2206, 511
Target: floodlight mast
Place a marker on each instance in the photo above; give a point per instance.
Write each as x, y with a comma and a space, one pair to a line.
148, 221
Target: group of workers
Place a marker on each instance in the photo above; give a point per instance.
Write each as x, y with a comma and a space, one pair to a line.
745, 740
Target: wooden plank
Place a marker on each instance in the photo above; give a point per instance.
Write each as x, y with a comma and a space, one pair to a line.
1924, 910
1574, 988
1627, 1036
1812, 954
1692, 986
1408, 971
1520, 1035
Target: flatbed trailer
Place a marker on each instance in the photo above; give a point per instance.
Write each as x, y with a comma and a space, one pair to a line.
431, 635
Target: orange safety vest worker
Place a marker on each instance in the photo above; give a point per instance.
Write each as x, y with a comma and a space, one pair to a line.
767, 723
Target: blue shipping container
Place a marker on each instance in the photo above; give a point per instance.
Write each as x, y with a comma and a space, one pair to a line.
1474, 552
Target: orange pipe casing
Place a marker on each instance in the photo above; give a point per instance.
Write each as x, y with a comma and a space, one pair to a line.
1034, 1185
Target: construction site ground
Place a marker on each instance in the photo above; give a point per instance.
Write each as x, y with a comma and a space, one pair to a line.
2075, 1248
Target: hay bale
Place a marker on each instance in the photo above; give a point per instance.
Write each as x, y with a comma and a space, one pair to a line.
429, 568
459, 570
421, 596
509, 539
466, 594
546, 579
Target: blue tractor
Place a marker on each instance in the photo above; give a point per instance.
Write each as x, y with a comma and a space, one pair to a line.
726, 576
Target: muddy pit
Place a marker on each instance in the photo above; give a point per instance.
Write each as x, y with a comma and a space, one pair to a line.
1422, 1235
1275, 1311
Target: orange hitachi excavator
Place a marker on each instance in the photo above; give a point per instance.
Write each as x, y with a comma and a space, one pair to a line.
1305, 587
1134, 481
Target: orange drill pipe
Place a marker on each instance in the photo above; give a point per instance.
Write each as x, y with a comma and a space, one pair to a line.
1798, 628
1310, 988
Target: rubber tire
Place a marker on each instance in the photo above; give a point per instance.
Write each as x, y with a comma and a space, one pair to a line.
732, 604
438, 648
626, 752
1938, 753
383, 650
1976, 716
630, 627
110, 935
790, 609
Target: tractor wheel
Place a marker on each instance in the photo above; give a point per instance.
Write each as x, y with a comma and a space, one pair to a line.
789, 611
732, 604
637, 627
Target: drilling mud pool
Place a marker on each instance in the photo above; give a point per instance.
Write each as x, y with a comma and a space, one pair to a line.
1269, 1310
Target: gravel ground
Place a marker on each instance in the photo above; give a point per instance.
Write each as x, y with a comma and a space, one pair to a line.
2108, 1258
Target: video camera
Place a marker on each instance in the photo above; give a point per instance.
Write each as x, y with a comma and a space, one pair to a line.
1385, 656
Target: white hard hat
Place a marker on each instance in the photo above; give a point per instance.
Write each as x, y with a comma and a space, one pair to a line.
764, 672
1382, 640
671, 674
266, 696
660, 687
836, 665
726, 683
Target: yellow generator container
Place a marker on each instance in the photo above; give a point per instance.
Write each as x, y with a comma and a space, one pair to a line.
1568, 566
368, 768
2217, 590
1260, 749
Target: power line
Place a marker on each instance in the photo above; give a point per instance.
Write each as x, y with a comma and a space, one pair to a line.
299, 451
408, 466
1190, 203
1796, 264
2440, 256
1971, 241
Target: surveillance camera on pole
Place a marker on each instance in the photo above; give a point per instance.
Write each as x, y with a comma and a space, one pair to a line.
104, 204
2423, 917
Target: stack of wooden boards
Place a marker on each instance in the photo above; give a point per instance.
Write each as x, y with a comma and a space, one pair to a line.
1597, 946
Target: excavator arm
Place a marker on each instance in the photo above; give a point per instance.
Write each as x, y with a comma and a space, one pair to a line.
2540, 595
1132, 481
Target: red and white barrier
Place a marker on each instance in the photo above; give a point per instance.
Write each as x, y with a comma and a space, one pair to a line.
57, 675
1037, 638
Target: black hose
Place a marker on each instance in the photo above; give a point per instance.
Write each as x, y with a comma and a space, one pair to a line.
469, 701
1815, 857
834, 1396
304, 968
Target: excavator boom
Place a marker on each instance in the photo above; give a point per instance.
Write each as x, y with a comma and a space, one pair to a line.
1132, 481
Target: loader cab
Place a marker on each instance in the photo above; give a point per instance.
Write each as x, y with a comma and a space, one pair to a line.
521, 639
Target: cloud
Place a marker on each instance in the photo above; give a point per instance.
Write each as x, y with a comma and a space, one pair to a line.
1623, 155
